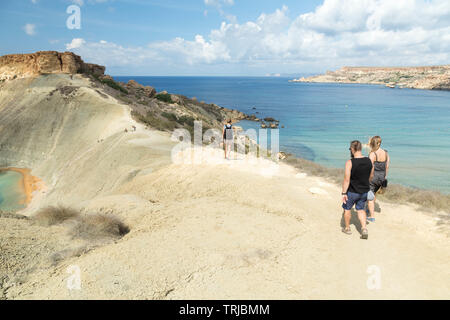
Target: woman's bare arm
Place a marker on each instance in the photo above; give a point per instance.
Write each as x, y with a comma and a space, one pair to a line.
372, 157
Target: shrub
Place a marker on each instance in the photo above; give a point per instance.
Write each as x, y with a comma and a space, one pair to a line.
110, 83
54, 215
170, 116
164, 97
186, 120
98, 226
154, 121
114, 85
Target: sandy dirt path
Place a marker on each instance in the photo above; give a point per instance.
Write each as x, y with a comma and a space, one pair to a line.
239, 230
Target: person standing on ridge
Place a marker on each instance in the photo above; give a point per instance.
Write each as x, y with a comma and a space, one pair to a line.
227, 134
356, 185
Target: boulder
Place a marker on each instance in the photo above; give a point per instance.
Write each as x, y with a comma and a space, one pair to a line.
107, 77
175, 98
134, 85
281, 155
149, 91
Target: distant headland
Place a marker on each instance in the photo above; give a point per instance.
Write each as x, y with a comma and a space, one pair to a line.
429, 77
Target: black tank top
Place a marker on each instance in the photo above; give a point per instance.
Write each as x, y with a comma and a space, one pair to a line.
359, 179
228, 132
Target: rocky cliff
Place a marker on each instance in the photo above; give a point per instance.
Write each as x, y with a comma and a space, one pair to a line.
14, 66
430, 77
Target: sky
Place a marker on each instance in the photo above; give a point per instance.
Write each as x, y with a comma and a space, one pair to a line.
231, 37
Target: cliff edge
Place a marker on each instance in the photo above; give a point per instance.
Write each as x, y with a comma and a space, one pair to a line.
14, 66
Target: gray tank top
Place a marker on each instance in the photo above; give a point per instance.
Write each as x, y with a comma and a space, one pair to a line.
380, 166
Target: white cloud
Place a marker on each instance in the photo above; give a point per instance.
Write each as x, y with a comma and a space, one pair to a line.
81, 2
78, 2
192, 52
30, 29
337, 33
34, 1
76, 43
218, 4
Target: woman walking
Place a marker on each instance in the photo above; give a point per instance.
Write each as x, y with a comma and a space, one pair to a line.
380, 160
227, 135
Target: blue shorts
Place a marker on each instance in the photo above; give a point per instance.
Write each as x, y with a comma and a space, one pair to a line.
358, 198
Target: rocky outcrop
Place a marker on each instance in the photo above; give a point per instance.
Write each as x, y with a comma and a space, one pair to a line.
14, 66
430, 77
139, 89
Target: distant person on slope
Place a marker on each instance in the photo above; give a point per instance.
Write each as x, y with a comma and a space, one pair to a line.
380, 160
358, 173
227, 134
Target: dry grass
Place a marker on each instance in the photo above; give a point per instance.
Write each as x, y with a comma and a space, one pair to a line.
314, 169
98, 226
12, 215
53, 215
427, 199
92, 226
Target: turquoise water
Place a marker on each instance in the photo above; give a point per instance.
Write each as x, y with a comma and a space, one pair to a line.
321, 119
12, 197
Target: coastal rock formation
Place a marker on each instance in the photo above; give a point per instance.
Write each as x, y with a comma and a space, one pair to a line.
14, 66
138, 88
431, 77
175, 98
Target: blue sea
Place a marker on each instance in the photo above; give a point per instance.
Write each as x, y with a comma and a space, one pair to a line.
12, 197
321, 119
